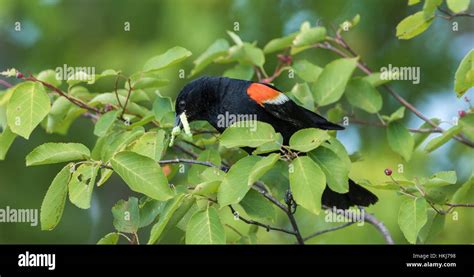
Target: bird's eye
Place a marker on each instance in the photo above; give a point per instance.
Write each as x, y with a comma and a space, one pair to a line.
182, 104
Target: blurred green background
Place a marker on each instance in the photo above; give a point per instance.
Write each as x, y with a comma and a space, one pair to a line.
91, 33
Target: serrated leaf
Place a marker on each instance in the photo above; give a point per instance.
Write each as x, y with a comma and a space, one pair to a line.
457, 6
412, 216
445, 137
217, 49
205, 227
142, 174
413, 25
53, 203
171, 57
335, 169
82, 185
307, 71
165, 216
110, 238
332, 81
240, 71
400, 140
27, 107
256, 206
6, 139
235, 184
363, 95
308, 139
247, 133
461, 193
307, 183
279, 43
464, 76
126, 215
51, 152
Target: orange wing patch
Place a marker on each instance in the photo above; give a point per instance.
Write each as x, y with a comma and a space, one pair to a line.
261, 93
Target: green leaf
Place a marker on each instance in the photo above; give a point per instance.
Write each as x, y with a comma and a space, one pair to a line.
218, 49
165, 216
126, 215
270, 146
429, 8
442, 178
307, 183
413, 2
207, 188
307, 71
303, 95
28, 106
335, 169
162, 107
261, 167
308, 139
235, 184
461, 194
257, 206
413, 25
376, 79
396, 115
53, 203
82, 184
332, 81
464, 77
105, 122
240, 71
51, 152
445, 137
110, 238
457, 6
467, 123
412, 216
279, 43
309, 36
151, 144
237, 40
363, 95
142, 174
6, 139
49, 76
116, 142
171, 57
420, 137
400, 140
149, 210
247, 54
247, 133
434, 225
205, 227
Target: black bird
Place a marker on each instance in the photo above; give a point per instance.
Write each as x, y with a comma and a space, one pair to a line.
208, 97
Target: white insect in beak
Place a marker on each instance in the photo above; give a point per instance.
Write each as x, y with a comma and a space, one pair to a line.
180, 120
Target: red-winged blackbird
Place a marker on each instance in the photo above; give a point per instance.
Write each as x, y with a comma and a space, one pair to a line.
208, 98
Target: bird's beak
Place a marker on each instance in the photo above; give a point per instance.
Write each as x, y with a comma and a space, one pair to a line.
177, 121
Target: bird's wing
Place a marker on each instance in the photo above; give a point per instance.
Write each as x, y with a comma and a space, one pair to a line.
280, 106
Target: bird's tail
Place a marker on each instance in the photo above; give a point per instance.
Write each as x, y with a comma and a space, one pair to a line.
357, 196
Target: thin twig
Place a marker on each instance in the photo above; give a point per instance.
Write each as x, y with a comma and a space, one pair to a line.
335, 228
5, 83
265, 226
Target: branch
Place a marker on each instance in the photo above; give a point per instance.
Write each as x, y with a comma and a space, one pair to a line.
362, 66
449, 15
380, 125
5, 83
370, 219
329, 230
72, 99
253, 222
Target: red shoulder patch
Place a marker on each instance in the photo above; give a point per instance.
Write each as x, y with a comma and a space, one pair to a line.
261, 93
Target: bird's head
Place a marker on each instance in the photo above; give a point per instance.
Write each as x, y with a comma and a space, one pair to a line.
194, 100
